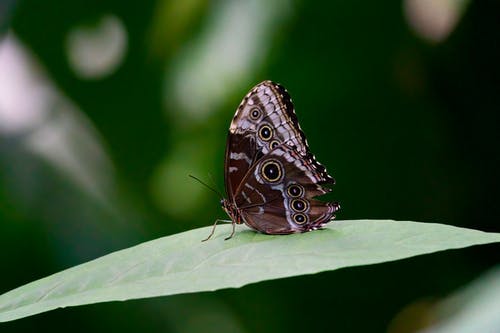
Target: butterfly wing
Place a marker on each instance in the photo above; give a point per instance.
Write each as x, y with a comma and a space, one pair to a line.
271, 176
277, 194
264, 120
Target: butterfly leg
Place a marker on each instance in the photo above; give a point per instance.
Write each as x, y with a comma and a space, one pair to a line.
232, 232
213, 229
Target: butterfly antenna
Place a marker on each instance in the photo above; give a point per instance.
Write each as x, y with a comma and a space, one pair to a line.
208, 186
214, 184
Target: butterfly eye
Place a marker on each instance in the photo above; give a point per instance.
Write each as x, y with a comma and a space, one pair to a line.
265, 132
274, 144
271, 171
299, 205
295, 190
299, 218
255, 113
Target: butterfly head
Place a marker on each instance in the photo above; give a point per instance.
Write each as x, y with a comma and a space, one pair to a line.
231, 210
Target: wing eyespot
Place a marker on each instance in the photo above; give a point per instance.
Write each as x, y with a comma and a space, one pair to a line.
265, 132
274, 144
255, 113
299, 205
272, 171
295, 190
299, 218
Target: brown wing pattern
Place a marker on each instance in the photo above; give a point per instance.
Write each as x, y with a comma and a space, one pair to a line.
268, 105
240, 155
264, 120
277, 194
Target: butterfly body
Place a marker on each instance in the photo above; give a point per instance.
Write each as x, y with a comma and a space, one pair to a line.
271, 176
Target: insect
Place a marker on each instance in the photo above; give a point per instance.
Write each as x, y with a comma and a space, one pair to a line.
271, 177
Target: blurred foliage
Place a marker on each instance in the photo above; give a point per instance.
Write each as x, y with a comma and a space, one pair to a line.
471, 309
95, 156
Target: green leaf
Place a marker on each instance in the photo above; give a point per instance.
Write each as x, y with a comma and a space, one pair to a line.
181, 263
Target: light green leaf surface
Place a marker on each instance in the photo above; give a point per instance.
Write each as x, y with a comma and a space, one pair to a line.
181, 263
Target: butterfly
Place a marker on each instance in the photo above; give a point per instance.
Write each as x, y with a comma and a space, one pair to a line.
271, 176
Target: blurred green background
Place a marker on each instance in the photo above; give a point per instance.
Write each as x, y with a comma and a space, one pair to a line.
107, 106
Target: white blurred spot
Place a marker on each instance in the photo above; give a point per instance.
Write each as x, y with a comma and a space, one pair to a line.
24, 96
68, 143
96, 51
434, 20
235, 42
35, 114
